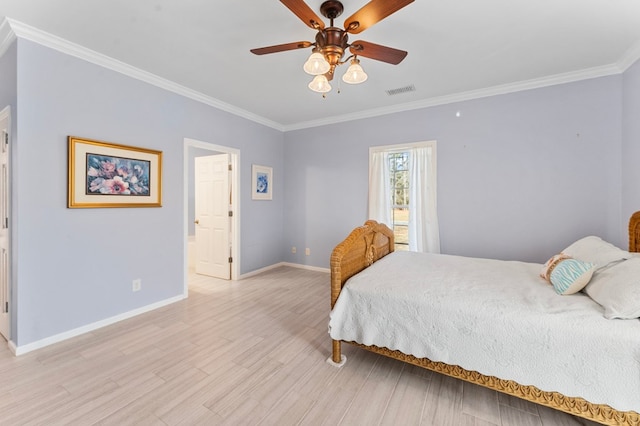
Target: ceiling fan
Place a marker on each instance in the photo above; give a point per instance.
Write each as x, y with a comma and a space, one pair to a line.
331, 42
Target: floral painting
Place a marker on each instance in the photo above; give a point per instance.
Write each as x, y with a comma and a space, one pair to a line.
262, 183
103, 174
262, 186
117, 176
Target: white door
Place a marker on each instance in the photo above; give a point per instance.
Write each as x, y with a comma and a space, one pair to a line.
4, 226
212, 207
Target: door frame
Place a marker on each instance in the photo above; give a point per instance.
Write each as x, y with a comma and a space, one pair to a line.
234, 159
5, 114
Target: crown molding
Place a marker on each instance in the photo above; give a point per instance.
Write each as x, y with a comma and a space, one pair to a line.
11, 29
630, 57
503, 89
23, 31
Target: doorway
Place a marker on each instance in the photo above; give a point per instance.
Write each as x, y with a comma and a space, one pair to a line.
195, 148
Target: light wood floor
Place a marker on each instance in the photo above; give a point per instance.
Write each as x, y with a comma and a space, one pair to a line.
233, 353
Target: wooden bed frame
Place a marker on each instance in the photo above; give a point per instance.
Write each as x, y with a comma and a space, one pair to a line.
372, 241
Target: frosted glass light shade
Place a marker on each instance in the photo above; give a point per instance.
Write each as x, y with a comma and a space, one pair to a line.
316, 64
320, 84
355, 74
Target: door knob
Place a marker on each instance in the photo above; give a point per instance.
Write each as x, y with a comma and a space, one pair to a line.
197, 222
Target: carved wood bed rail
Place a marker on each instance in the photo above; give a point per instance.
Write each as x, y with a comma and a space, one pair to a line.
372, 241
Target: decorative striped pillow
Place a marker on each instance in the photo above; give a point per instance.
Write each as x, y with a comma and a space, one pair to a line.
571, 275
551, 263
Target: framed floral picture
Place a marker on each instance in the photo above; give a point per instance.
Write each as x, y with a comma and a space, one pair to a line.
262, 182
103, 174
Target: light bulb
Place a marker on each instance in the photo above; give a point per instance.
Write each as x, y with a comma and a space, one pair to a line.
355, 74
320, 84
316, 64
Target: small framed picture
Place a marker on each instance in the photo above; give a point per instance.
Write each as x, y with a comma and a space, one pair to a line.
103, 174
262, 182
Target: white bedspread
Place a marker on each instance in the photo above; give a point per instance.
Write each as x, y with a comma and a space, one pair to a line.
495, 317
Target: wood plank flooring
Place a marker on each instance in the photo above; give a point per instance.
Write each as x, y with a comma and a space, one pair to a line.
240, 353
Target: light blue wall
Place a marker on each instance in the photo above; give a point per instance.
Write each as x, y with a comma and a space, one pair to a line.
75, 266
8, 76
520, 176
631, 141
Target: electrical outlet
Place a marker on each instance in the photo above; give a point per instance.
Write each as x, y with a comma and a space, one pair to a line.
136, 285
293, 250
307, 251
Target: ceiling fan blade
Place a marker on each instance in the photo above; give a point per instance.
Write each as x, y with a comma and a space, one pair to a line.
377, 52
281, 47
371, 13
304, 12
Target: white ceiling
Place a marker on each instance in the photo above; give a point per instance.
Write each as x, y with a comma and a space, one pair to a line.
458, 49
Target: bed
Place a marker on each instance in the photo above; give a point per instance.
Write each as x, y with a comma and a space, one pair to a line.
515, 334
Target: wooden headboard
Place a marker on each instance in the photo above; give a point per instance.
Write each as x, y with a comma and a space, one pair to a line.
360, 249
634, 232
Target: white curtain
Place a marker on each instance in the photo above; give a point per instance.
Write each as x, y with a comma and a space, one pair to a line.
424, 234
380, 188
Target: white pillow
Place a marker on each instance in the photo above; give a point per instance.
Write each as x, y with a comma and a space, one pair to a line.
593, 249
617, 289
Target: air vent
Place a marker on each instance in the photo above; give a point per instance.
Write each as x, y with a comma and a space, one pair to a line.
399, 90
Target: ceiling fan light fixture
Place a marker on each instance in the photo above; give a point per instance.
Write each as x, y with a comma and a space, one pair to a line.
316, 64
320, 84
355, 74
331, 42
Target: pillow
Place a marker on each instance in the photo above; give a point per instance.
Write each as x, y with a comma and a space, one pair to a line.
595, 250
551, 263
571, 275
617, 289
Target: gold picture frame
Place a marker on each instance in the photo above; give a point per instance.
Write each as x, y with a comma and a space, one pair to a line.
103, 175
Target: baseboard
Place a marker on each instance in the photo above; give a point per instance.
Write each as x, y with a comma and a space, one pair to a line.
277, 265
307, 267
21, 350
261, 270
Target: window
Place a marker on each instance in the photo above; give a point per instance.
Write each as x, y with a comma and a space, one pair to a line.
402, 194
399, 181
